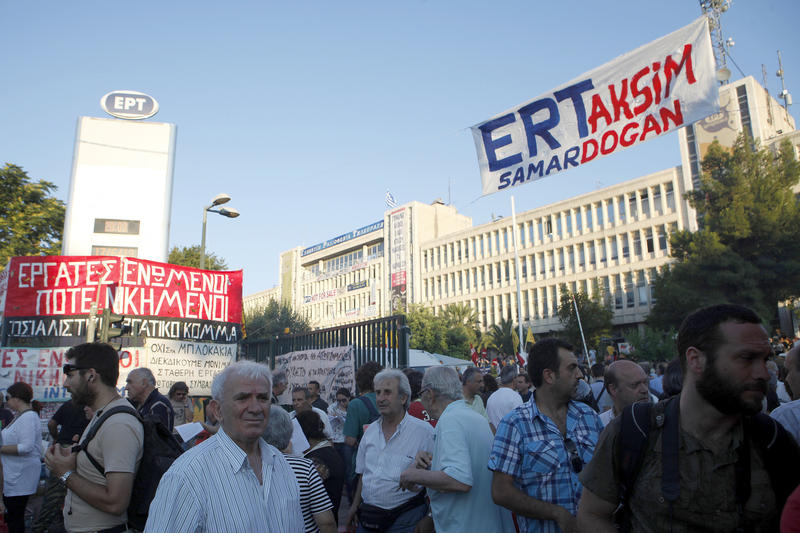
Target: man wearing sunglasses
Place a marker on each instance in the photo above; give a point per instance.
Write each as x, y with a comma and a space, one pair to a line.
95, 501
542, 445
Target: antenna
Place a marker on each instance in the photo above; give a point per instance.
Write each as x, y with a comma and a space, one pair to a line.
784, 94
713, 9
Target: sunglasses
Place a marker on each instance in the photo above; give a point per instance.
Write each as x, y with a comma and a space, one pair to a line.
575, 460
71, 368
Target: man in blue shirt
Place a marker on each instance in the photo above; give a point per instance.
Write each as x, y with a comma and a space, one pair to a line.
142, 391
542, 445
458, 482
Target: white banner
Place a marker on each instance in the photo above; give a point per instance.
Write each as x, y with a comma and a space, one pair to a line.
638, 96
333, 368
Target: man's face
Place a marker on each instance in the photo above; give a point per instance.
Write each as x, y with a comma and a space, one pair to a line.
278, 389
136, 386
300, 402
568, 375
342, 401
243, 410
631, 387
521, 384
793, 372
78, 386
390, 401
313, 388
474, 384
735, 382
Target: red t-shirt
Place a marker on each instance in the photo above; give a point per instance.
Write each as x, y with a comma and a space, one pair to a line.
790, 519
417, 410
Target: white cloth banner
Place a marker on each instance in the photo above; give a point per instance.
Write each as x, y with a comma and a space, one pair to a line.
638, 96
331, 367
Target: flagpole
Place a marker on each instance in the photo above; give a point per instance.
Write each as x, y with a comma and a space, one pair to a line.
580, 326
516, 268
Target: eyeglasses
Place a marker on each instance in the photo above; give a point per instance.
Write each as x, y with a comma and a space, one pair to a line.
71, 368
574, 459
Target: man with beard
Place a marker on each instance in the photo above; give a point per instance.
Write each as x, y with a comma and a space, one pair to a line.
541, 445
710, 461
95, 501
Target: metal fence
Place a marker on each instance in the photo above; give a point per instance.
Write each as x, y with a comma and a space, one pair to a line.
384, 340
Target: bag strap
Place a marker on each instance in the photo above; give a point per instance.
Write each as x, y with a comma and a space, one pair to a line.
84, 445
373, 411
633, 436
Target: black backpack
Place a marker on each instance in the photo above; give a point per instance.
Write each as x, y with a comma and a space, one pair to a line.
160, 451
776, 447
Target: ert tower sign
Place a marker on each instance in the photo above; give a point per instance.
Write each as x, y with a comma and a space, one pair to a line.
130, 105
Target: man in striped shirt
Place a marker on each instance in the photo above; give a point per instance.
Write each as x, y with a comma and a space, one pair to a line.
234, 481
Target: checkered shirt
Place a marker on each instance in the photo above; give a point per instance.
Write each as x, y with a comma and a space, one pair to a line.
529, 447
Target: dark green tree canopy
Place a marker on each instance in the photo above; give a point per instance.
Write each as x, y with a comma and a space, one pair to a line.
746, 249
273, 320
31, 220
190, 256
595, 312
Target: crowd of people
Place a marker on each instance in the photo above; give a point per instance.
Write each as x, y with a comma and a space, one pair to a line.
707, 442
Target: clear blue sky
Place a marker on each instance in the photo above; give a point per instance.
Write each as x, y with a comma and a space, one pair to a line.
306, 112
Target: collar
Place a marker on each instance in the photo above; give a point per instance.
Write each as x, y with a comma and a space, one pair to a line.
572, 412
231, 453
399, 427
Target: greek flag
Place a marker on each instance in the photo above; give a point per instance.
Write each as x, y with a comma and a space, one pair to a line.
390, 201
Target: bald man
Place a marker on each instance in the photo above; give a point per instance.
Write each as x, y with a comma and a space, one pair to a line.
626, 383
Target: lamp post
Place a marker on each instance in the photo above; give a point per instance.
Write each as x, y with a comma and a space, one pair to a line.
229, 212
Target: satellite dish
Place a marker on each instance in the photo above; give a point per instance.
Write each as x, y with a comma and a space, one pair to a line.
723, 74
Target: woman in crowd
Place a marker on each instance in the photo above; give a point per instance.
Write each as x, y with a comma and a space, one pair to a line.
21, 454
327, 460
337, 414
489, 386
314, 501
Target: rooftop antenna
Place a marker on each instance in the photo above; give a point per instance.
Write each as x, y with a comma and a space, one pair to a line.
784, 94
714, 9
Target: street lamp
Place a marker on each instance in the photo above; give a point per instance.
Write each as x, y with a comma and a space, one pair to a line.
229, 212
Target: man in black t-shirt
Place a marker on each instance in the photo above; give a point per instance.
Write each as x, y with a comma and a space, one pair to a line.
66, 428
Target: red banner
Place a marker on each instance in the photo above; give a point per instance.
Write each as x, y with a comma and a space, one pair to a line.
67, 286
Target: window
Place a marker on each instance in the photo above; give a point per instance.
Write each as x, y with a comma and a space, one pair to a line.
662, 237
645, 202
621, 207
558, 226
561, 259
610, 211
649, 238
670, 197
591, 253
599, 209
657, 199
569, 223
629, 296
632, 204
578, 220
505, 239
581, 256
637, 244
589, 218
551, 260
614, 248
601, 245
641, 287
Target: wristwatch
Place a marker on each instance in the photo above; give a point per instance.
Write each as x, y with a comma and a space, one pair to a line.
65, 476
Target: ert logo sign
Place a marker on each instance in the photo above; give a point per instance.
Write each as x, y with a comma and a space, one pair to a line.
129, 104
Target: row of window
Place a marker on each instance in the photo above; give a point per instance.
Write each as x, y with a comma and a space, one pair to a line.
345, 261
361, 275
649, 201
327, 310
628, 290
565, 260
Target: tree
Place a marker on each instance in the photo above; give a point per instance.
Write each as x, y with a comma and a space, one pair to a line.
746, 248
504, 337
31, 221
273, 320
460, 314
190, 256
652, 344
595, 312
428, 332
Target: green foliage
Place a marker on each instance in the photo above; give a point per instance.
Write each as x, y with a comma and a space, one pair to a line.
595, 312
504, 337
31, 221
652, 344
273, 320
460, 315
746, 249
449, 333
190, 256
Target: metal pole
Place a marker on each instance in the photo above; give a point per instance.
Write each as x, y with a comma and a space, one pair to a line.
580, 326
516, 269
203, 239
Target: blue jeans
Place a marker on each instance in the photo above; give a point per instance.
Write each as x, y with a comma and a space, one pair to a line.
406, 522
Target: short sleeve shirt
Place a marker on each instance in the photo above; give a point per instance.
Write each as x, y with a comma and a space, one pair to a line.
529, 447
117, 446
358, 416
707, 499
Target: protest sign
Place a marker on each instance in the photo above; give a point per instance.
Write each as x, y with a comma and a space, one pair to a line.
655, 89
333, 368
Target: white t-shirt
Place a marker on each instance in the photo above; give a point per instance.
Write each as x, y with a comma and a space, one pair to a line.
500, 403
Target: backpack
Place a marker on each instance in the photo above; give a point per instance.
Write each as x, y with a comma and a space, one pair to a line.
776, 448
159, 452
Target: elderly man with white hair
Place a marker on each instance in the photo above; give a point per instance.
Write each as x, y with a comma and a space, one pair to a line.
388, 447
459, 484
234, 481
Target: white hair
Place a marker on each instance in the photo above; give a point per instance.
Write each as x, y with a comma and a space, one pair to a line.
444, 380
279, 429
248, 369
403, 386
